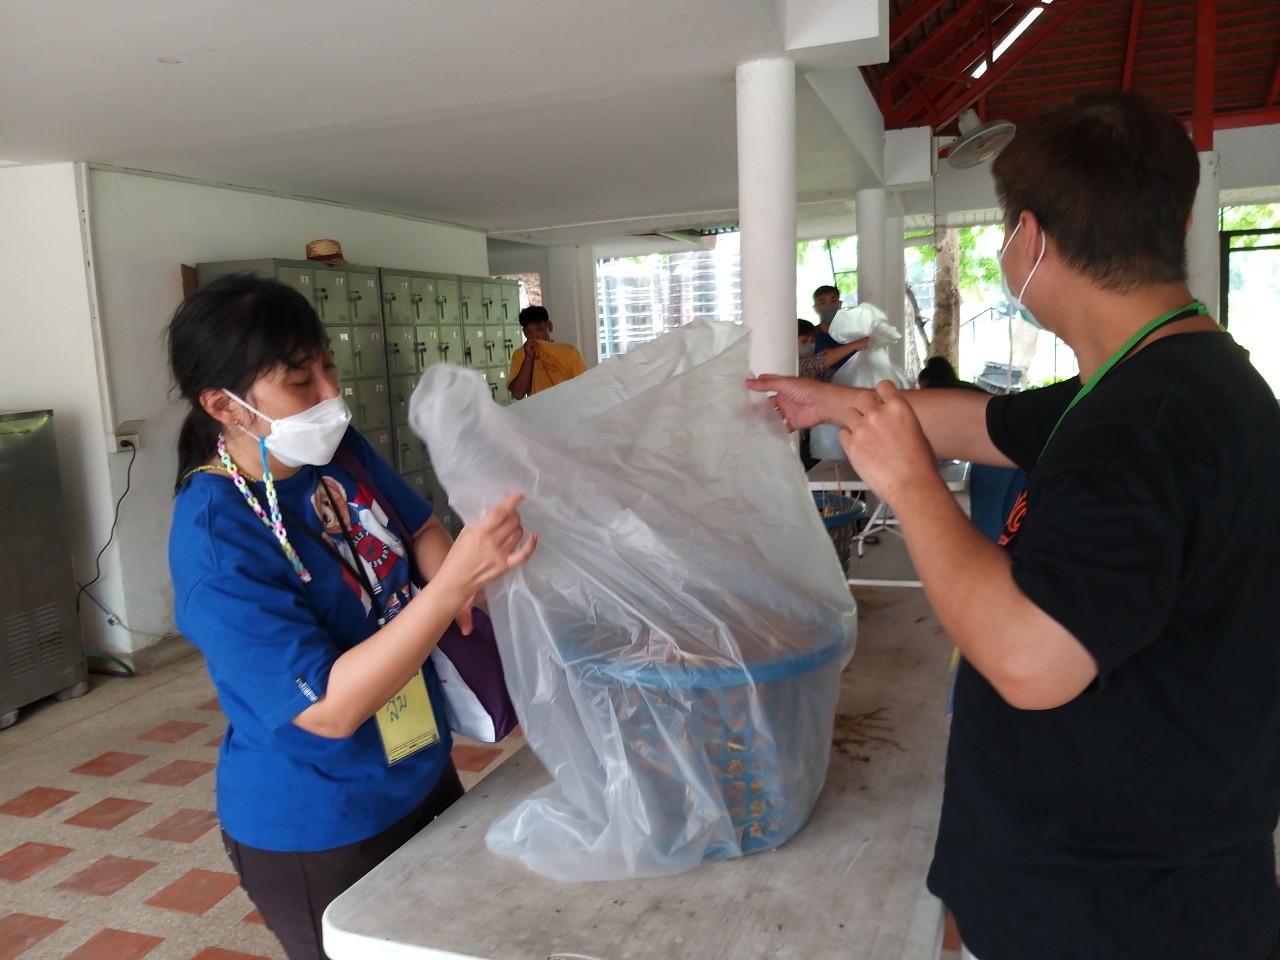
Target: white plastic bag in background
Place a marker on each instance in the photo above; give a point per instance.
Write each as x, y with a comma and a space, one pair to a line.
865, 369
674, 645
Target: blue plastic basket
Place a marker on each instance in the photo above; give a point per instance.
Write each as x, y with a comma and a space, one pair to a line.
840, 515
744, 724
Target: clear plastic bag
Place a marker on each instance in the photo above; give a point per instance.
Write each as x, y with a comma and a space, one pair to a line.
674, 645
865, 369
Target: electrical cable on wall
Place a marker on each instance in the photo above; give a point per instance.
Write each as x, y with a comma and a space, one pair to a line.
128, 479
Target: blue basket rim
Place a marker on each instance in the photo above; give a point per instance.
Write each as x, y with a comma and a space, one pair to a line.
684, 677
837, 520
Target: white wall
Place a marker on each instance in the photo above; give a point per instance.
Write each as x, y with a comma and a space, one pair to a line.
48, 360
1248, 157
142, 229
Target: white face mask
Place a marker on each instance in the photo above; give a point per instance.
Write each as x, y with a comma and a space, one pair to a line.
806, 349
309, 437
1026, 314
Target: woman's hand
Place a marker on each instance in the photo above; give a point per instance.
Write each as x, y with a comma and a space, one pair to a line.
484, 551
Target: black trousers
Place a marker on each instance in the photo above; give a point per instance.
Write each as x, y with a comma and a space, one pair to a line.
291, 890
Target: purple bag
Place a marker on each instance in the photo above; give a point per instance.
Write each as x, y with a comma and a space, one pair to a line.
477, 704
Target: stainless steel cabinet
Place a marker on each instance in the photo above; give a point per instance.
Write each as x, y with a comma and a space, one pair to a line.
40, 645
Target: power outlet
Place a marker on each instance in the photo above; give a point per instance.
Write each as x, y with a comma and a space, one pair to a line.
127, 437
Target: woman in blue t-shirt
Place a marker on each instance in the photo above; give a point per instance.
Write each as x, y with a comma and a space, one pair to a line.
291, 576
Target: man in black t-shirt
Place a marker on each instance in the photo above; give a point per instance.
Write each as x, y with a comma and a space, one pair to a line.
1113, 775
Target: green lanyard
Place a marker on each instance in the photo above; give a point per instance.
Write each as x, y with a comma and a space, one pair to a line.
1195, 305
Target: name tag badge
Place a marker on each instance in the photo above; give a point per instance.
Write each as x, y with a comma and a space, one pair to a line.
406, 721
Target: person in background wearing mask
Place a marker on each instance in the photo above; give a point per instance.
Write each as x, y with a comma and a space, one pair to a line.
319, 662
826, 304
822, 364
541, 363
1113, 770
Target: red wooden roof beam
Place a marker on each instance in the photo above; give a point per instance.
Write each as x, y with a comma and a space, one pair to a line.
1131, 46
1202, 117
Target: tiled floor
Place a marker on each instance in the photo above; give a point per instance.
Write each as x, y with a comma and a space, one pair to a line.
109, 848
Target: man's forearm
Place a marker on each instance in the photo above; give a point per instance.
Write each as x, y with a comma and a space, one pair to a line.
1030, 659
955, 423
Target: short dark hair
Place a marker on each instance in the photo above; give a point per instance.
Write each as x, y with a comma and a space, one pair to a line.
534, 314
1111, 178
224, 336
805, 328
825, 288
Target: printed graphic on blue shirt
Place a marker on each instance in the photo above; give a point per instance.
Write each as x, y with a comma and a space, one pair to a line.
359, 522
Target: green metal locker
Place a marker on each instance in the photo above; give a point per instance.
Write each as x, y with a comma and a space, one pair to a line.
401, 390
341, 344
369, 355
471, 300
474, 351
447, 307
363, 296
509, 312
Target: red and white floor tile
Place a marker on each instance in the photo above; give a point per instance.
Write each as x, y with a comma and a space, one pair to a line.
109, 848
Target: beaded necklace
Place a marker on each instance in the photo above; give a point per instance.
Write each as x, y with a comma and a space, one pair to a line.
274, 523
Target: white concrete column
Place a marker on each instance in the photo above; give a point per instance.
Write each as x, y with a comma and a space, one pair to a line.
569, 294
767, 210
1203, 254
869, 212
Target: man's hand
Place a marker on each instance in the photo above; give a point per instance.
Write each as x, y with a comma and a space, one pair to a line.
885, 442
805, 403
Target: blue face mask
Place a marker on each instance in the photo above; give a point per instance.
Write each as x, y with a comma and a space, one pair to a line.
1023, 312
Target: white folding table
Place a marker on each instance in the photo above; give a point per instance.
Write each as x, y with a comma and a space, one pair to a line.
850, 884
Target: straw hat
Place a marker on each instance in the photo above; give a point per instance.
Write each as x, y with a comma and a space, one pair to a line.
325, 251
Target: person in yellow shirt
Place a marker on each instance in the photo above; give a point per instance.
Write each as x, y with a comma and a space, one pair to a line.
541, 362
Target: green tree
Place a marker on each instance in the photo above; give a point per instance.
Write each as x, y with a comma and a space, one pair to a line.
960, 267
977, 272
1257, 216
